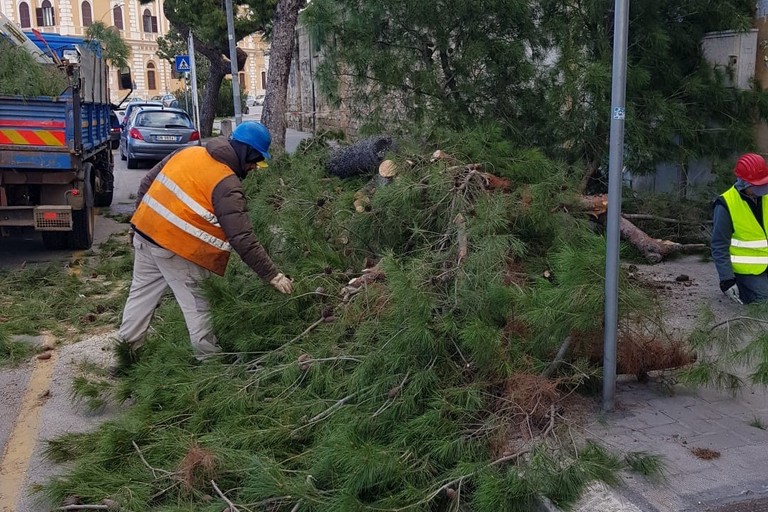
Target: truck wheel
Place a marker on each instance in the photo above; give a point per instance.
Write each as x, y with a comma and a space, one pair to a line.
133, 163
103, 198
81, 236
103, 184
55, 240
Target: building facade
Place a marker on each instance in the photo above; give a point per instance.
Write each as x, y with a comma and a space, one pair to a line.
140, 26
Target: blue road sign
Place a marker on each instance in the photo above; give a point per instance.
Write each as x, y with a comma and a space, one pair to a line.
182, 63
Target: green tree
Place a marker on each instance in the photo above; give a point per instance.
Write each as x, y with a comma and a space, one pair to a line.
208, 22
542, 70
116, 50
679, 108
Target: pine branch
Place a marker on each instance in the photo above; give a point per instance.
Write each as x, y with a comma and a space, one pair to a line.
232, 507
153, 469
558, 360
326, 413
85, 507
391, 397
645, 216
736, 319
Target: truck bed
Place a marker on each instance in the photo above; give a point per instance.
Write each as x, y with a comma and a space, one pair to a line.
40, 133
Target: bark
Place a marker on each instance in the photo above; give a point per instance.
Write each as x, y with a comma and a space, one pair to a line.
653, 249
216, 73
281, 55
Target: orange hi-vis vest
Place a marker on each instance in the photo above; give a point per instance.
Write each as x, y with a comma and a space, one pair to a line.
177, 210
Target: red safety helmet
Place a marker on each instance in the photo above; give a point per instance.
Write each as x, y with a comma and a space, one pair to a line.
752, 168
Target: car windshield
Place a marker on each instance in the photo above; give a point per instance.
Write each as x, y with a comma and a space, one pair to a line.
163, 119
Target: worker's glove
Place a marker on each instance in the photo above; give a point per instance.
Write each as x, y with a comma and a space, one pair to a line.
131, 232
282, 283
733, 294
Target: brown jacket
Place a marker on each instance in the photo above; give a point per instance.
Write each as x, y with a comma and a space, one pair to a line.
229, 206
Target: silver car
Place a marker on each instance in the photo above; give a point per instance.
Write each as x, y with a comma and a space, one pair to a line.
153, 133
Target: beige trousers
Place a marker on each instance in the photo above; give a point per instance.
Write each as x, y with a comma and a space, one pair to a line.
154, 271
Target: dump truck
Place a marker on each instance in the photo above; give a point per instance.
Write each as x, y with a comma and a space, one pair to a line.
56, 161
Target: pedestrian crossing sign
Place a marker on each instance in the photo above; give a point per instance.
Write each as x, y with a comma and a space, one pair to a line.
182, 63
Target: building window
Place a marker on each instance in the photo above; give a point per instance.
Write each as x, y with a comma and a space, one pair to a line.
124, 78
264, 80
85, 9
151, 83
149, 22
117, 17
44, 15
241, 80
24, 18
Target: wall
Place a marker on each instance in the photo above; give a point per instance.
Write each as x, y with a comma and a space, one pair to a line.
733, 52
307, 109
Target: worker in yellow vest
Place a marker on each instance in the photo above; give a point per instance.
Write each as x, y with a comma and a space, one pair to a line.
191, 212
739, 240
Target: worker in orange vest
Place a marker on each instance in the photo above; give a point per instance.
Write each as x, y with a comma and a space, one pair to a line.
191, 213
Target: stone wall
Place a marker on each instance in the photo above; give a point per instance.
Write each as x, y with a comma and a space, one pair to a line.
307, 110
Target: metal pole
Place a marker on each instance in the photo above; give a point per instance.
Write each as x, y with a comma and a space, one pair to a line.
615, 166
193, 73
233, 63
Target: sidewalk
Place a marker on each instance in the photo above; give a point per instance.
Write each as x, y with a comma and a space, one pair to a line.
714, 445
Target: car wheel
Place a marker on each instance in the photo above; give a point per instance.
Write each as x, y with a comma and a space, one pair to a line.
133, 163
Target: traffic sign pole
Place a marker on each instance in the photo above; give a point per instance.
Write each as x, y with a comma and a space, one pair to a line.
193, 73
233, 62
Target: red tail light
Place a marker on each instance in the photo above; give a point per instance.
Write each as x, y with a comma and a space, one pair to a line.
135, 134
195, 136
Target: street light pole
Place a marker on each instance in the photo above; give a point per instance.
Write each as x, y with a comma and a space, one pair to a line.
233, 62
615, 166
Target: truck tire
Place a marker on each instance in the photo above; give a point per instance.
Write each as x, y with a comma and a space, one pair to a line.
103, 182
81, 236
55, 240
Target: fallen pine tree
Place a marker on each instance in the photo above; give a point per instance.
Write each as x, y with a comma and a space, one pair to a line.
412, 369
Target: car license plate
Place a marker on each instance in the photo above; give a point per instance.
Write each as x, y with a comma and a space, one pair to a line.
166, 138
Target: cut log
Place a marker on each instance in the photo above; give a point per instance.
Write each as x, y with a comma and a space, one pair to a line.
388, 169
441, 155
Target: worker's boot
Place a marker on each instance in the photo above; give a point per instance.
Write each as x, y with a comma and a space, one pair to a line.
125, 358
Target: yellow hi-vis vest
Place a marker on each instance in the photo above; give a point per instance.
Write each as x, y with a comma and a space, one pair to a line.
749, 243
177, 210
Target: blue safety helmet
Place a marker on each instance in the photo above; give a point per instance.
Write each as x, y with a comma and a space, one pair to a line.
255, 135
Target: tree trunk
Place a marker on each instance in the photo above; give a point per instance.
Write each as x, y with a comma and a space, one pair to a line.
281, 56
216, 73
653, 249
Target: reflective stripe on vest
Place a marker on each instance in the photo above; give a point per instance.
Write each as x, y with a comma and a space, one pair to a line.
186, 226
186, 199
749, 243
177, 209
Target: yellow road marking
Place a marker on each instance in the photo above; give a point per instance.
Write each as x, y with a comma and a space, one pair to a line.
21, 442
